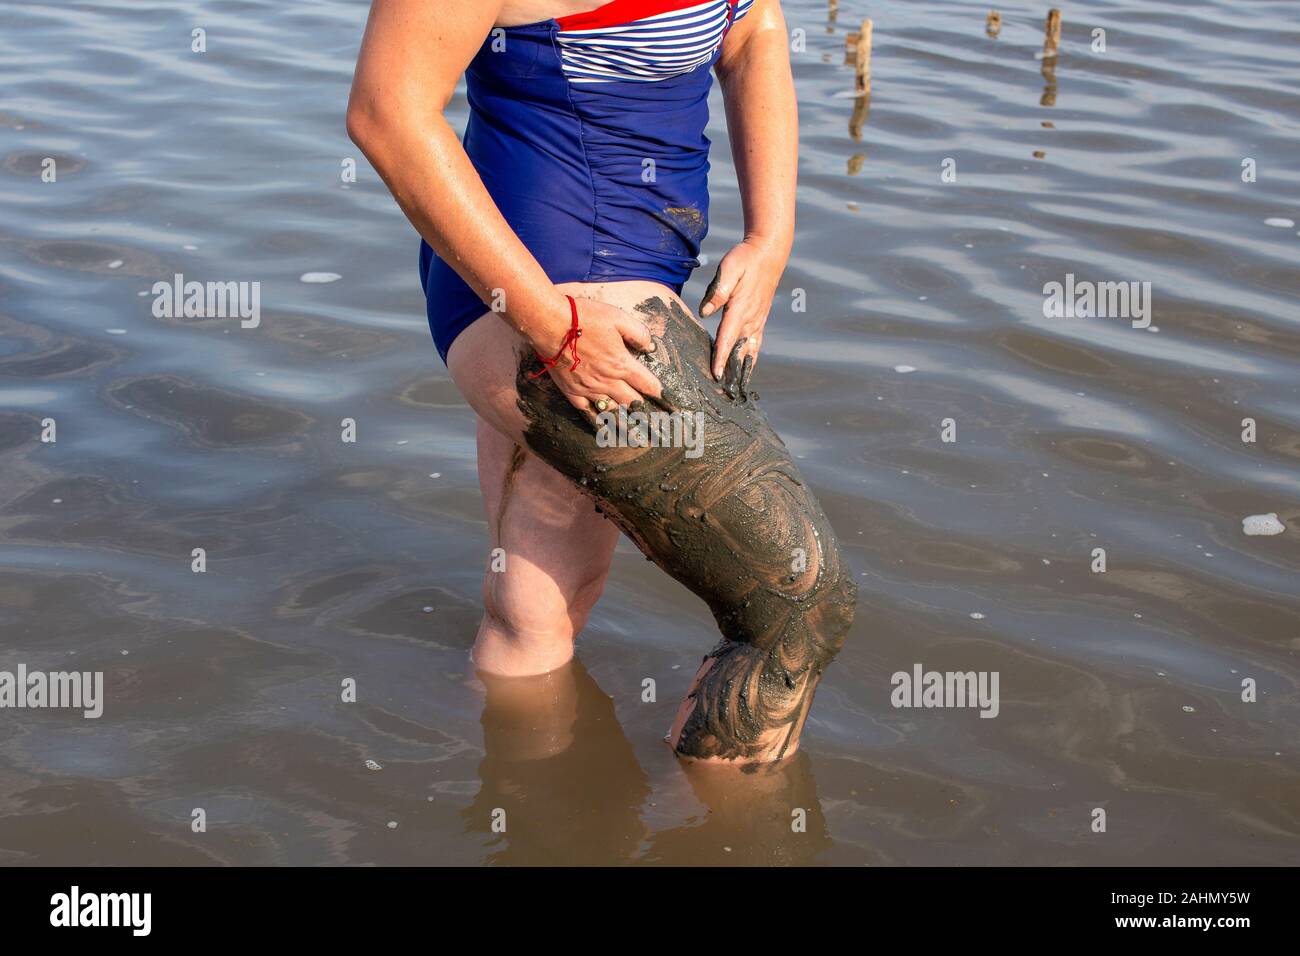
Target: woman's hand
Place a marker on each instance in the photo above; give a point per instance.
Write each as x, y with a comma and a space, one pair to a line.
607, 369
743, 288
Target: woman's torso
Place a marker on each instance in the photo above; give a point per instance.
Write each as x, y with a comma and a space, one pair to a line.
588, 131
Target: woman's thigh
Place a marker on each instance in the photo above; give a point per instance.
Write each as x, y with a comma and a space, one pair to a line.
484, 360
555, 547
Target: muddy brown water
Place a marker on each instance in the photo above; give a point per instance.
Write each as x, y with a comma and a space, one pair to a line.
1167, 158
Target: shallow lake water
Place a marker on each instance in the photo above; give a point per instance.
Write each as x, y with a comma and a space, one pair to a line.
930, 224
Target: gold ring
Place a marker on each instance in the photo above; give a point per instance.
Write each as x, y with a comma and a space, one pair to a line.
601, 404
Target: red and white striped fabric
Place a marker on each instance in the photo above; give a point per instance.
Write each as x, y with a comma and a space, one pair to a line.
644, 40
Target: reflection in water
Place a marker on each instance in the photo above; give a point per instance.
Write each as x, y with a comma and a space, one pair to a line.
559, 767
1051, 43
767, 815
557, 763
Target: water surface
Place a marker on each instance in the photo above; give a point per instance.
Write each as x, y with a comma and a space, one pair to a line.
329, 561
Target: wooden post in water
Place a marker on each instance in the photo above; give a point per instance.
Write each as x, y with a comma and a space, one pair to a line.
993, 26
832, 10
858, 49
862, 61
1052, 34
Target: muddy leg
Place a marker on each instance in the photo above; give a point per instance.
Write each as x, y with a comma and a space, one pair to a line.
730, 518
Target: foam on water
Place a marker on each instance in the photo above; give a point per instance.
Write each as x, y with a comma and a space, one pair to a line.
1262, 524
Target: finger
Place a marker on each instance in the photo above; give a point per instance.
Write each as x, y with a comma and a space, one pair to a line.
731, 372
751, 361
746, 370
715, 295
719, 291
667, 399
722, 346
623, 394
643, 380
635, 334
653, 390
585, 410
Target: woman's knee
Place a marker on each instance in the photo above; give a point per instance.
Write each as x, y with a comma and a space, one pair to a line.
529, 607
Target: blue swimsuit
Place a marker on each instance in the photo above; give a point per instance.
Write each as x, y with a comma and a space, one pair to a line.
588, 132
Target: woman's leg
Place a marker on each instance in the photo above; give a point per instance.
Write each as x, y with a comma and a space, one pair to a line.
735, 523
550, 556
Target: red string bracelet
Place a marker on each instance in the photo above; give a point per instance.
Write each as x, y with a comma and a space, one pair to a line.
570, 342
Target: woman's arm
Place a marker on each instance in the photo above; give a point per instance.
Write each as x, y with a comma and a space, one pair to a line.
412, 56
763, 122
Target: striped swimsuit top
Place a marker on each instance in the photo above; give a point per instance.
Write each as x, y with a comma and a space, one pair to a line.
588, 131
638, 41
